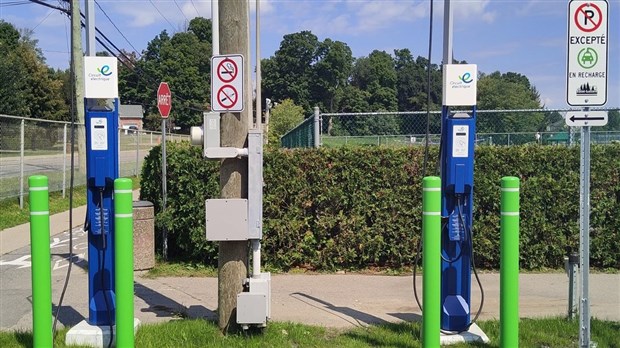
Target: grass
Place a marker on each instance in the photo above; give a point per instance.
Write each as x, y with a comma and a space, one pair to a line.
11, 215
546, 332
180, 269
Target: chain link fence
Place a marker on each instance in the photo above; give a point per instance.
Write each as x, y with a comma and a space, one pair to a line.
493, 127
33, 146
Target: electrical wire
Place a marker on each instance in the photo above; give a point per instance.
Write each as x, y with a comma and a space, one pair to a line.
194, 6
467, 230
473, 267
180, 10
426, 143
114, 24
184, 104
43, 20
161, 14
71, 184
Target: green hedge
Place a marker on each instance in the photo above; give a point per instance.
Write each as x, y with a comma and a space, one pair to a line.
352, 208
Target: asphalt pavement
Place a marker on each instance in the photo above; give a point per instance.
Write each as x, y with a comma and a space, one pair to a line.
331, 300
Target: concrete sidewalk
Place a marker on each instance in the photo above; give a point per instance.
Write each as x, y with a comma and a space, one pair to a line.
333, 300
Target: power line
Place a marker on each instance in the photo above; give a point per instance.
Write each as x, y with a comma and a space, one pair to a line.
180, 10
43, 20
14, 3
194, 6
140, 73
117, 29
161, 14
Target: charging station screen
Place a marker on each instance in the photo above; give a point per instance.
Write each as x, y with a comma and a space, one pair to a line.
99, 133
460, 146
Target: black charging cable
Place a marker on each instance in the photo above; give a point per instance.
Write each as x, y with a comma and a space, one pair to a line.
104, 246
473, 267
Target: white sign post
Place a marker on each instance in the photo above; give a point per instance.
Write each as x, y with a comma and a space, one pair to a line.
586, 76
227, 83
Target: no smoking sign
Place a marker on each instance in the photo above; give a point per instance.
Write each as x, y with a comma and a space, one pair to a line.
227, 83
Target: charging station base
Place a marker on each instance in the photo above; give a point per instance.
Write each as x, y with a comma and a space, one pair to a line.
84, 334
474, 334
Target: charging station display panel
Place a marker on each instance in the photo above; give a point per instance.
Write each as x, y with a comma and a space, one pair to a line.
460, 145
99, 134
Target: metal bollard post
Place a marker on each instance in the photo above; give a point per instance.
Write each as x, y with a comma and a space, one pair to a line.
431, 261
41, 267
123, 258
509, 263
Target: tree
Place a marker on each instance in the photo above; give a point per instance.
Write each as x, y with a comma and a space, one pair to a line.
29, 88
308, 71
376, 74
507, 91
613, 121
332, 71
284, 117
184, 61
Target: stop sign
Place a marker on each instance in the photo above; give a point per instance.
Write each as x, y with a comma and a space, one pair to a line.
164, 99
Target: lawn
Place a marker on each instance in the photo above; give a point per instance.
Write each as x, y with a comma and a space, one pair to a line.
548, 332
11, 215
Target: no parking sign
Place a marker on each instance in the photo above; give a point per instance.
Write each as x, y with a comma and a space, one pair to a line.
586, 83
227, 83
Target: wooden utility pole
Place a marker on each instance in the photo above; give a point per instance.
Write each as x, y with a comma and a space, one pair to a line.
233, 256
77, 60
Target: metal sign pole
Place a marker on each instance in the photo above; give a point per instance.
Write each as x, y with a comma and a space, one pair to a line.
164, 189
584, 238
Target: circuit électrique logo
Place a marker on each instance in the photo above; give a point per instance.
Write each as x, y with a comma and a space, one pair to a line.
105, 70
466, 78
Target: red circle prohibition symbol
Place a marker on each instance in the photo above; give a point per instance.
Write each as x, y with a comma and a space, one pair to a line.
587, 19
227, 70
227, 96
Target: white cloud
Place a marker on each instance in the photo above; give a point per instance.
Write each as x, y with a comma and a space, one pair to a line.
349, 17
373, 15
473, 11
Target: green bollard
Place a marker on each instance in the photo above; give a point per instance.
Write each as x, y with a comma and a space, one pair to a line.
41, 261
123, 258
431, 261
509, 264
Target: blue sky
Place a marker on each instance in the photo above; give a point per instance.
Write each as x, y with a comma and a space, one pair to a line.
524, 36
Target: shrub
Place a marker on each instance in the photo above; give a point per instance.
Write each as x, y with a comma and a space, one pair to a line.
352, 208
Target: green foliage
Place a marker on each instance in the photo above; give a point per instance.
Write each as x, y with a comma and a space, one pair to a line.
28, 87
183, 61
284, 117
508, 91
352, 208
191, 180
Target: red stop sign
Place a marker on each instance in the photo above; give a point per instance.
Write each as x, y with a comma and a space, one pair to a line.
164, 99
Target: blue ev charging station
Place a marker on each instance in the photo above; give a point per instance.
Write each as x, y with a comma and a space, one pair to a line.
457, 188
101, 171
102, 168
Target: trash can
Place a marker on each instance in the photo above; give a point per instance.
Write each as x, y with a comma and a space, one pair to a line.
143, 235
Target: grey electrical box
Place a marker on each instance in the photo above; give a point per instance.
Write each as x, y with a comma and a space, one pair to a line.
227, 219
262, 285
211, 129
251, 308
